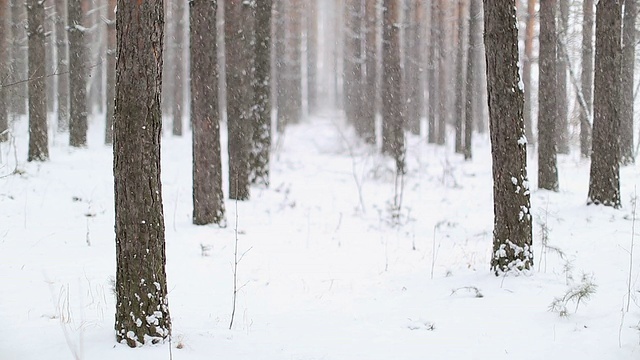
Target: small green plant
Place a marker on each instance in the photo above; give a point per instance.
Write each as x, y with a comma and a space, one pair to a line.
575, 294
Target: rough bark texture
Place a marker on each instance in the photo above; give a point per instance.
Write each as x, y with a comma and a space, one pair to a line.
587, 77
77, 76
208, 198
474, 22
261, 144
240, 62
62, 64
443, 70
371, 60
353, 81
512, 238
312, 54
19, 63
547, 96
604, 179
38, 137
292, 105
432, 73
393, 142
142, 310
4, 69
627, 91
526, 69
412, 69
179, 68
279, 66
562, 105
111, 70
50, 44
460, 79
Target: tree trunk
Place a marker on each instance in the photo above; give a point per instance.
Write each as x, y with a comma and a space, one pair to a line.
77, 76
432, 74
412, 70
19, 63
627, 95
240, 98
474, 22
261, 145
292, 106
179, 68
4, 69
38, 136
111, 69
312, 56
604, 179
460, 80
280, 65
208, 198
547, 93
562, 127
142, 308
587, 77
371, 61
393, 143
62, 48
50, 41
443, 70
512, 238
526, 70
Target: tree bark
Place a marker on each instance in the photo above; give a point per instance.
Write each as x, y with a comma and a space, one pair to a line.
627, 91
142, 310
239, 33
526, 70
443, 70
280, 65
312, 56
19, 63
62, 48
261, 144
77, 76
512, 238
474, 22
547, 95
179, 68
604, 179
4, 69
587, 77
432, 74
460, 80
208, 198
562, 105
371, 61
38, 136
111, 69
412, 70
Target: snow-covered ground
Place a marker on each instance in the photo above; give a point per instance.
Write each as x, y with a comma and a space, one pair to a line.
328, 273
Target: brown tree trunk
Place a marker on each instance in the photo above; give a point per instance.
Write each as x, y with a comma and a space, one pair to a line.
443, 70
38, 136
627, 95
547, 103
312, 55
4, 69
62, 64
19, 63
208, 198
393, 143
471, 77
562, 127
460, 80
432, 73
604, 179
77, 76
111, 69
142, 308
371, 61
526, 69
280, 64
587, 78
239, 33
512, 238
179, 68
261, 144
412, 69
50, 41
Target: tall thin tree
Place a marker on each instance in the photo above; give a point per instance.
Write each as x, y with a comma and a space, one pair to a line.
512, 238
179, 66
312, 54
371, 62
586, 77
142, 308
77, 76
432, 73
460, 79
38, 134
526, 69
474, 21
604, 177
627, 91
19, 61
62, 56
562, 105
4, 69
111, 69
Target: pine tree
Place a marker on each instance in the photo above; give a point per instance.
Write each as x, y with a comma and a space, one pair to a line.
111, 69
627, 91
38, 133
562, 105
142, 310
179, 67
526, 68
4, 70
512, 238
586, 78
77, 76
62, 48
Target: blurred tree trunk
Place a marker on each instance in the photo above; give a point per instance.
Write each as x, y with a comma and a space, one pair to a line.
512, 238
393, 143
280, 65
471, 77
627, 95
312, 55
352, 49
111, 69
443, 72
19, 62
369, 105
460, 79
587, 77
562, 127
50, 41
432, 73
38, 136
208, 198
547, 98
604, 178
77, 76
62, 64
168, 78
261, 144
179, 68
4, 69
413, 70
239, 37
139, 218
526, 70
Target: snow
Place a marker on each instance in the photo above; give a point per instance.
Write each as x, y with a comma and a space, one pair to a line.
322, 278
